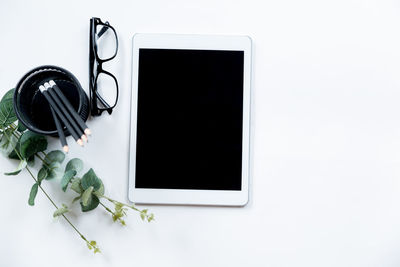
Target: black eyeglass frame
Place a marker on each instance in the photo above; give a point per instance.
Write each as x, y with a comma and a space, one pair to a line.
98, 68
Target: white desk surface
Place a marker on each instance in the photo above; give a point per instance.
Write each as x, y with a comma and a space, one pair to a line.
325, 180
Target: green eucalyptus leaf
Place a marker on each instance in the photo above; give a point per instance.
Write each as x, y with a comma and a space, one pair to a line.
100, 191
42, 174
32, 194
7, 114
150, 218
22, 164
93, 204
54, 170
8, 142
13, 154
76, 199
61, 211
74, 164
76, 185
8, 95
31, 161
67, 178
87, 196
21, 128
55, 156
90, 179
31, 143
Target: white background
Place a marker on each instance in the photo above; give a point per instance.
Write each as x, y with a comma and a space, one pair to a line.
325, 180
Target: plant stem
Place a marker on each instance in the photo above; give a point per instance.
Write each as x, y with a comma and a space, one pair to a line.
48, 197
41, 188
16, 135
43, 161
15, 130
123, 204
107, 208
113, 213
55, 205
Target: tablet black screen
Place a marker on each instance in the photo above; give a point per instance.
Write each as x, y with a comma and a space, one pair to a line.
189, 119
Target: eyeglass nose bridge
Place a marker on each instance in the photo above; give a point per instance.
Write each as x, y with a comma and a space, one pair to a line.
99, 66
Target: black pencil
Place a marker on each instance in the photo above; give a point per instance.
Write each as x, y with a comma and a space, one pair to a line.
60, 115
62, 97
60, 131
60, 105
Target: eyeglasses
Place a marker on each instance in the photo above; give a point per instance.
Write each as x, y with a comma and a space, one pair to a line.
103, 85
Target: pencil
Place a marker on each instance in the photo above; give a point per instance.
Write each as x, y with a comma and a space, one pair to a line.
78, 119
60, 114
60, 131
65, 112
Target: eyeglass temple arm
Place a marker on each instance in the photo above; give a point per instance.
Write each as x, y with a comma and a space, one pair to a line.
105, 104
103, 30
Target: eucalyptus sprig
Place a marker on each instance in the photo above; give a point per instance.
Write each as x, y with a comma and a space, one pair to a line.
16, 142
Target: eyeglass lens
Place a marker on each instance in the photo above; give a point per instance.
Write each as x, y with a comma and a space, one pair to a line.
106, 90
106, 42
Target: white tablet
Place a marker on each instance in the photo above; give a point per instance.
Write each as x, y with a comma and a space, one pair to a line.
190, 119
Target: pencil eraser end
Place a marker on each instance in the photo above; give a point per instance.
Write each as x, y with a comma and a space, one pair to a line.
80, 142
47, 85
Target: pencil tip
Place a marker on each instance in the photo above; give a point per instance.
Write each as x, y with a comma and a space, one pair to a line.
84, 138
66, 149
79, 141
88, 131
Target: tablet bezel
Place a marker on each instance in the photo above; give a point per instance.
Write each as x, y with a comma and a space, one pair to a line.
183, 196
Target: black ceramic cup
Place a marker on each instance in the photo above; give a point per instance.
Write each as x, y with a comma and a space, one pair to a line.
32, 108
